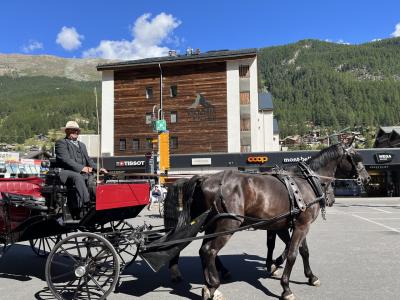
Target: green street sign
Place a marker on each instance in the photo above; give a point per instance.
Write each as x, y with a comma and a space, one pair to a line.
161, 125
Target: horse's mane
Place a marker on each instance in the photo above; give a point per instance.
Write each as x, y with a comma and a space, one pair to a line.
171, 203
324, 156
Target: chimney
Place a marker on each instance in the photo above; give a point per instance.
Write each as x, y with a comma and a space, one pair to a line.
172, 53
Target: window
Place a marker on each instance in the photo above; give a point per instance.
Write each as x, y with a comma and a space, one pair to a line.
122, 144
174, 116
149, 143
149, 118
244, 98
173, 143
149, 92
135, 144
244, 71
173, 91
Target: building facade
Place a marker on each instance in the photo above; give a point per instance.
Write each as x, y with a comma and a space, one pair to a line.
210, 103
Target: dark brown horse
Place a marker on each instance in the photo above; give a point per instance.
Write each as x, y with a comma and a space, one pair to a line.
252, 197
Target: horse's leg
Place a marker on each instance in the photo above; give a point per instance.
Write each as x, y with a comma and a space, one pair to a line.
298, 235
284, 235
174, 271
305, 254
271, 238
208, 254
225, 274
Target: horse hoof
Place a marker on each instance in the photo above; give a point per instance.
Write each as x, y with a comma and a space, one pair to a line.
274, 268
218, 296
205, 293
315, 282
289, 297
276, 273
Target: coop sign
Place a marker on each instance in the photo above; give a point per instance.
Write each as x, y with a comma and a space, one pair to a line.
129, 163
382, 158
257, 159
291, 160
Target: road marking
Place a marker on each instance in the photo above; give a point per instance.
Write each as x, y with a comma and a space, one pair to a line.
377, 223
385, 218
382, 210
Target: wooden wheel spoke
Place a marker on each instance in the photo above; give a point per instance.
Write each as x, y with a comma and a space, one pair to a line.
63, 275
97, 284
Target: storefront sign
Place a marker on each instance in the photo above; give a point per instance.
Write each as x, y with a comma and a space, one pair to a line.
201, 110
257, 159
14, 156
204, 161
290, 160
129, 163
382, 158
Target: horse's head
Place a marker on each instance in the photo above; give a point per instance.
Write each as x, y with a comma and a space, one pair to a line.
351, 164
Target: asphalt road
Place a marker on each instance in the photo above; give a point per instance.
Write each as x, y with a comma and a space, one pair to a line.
355, 253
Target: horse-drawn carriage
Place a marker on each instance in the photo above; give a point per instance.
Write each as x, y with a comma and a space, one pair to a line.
87, 264
36, 210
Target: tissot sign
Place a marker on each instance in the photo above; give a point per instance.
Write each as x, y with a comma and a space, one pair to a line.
129, 163
382, 158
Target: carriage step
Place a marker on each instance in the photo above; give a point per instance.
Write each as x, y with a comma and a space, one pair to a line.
71, 222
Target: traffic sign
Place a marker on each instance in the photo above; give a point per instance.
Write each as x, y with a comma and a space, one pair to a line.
161, 125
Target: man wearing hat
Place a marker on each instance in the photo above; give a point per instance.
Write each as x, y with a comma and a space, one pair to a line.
72, 156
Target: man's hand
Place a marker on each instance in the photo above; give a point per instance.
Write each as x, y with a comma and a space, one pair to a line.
87, 170
103, 171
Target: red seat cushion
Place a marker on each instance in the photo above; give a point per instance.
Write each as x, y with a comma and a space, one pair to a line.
26, 186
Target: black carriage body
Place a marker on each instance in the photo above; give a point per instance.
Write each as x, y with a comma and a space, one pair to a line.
33, 208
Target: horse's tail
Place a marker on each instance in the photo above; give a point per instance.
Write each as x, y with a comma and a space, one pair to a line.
189, 189
173, 203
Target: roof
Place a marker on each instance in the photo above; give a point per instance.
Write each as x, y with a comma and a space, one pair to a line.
388, 137
265, 101
210, 55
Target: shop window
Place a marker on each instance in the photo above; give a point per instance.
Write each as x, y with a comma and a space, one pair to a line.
135, 144
122, 144
173, 91
173, 143
174, 116
149, 92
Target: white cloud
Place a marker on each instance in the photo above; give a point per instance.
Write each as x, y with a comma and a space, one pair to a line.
396, 32
32, 46
69, 38
148, 35
342, 42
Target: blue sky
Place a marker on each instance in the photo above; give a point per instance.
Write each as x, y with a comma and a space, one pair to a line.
131, 29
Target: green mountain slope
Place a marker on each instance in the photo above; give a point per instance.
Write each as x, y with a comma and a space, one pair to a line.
34, 105
333, 85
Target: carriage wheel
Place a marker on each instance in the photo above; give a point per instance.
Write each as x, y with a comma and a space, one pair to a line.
119, 238
82, 266
43, 246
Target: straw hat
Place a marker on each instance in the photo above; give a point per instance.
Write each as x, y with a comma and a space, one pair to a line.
71, 125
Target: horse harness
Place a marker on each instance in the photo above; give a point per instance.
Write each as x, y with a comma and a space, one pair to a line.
295, 197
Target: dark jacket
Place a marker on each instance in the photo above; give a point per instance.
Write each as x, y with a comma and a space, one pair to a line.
66, 156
